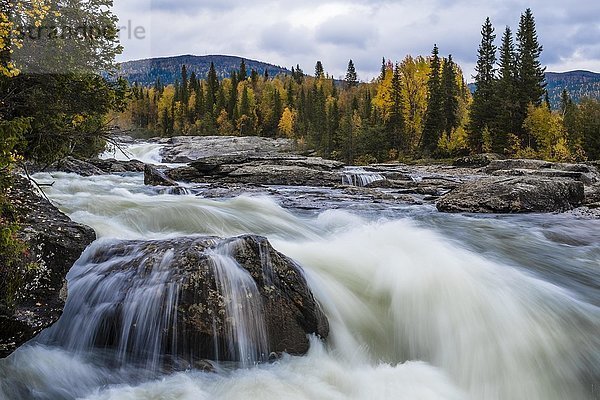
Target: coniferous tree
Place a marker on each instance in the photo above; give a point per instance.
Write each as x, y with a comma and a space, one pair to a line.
212, 87
507, 93
254, 77
290, 95
396, 112
383, 69
433, 124
243, 74
351, 77
298, 74
184, 85
319, 71
451, 92
530, 73
482, 113
232, 100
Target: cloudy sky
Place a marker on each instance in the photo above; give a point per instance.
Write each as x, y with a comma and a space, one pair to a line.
287, 32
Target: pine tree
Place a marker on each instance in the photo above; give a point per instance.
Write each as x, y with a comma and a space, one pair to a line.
482, 112
319, 71
530, 73
351, 77
433, 124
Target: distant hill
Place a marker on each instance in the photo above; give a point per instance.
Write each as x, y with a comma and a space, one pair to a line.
168, 69
579, 84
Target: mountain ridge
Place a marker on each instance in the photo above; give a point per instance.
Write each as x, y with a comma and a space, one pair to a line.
168, 69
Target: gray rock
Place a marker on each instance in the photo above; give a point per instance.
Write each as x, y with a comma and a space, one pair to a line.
514, 195
291, 170
185, 149
54, 244
509, 164
112, 166
75, 166
202, 326
476, 160
154, 177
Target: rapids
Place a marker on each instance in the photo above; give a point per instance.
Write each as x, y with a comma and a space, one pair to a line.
422, 305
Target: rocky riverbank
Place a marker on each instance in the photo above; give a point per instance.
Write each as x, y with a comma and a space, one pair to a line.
485, 183
54, 243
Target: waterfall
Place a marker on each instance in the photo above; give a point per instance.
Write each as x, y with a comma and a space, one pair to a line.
124, 297
246, 332
356, 176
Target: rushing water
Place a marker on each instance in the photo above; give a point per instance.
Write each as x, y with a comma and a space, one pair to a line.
422, 305
357, 176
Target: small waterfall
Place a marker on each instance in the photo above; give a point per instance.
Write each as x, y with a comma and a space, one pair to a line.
356, 176
245, 326
122, 299
124, 296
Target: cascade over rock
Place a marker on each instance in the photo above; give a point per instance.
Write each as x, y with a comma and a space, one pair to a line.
192, 298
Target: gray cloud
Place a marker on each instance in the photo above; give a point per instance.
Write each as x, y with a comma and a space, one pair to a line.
288, 32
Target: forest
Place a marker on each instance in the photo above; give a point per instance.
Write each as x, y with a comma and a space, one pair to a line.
419, 107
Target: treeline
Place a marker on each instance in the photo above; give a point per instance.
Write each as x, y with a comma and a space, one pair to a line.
416, 108
341, 119
511, 111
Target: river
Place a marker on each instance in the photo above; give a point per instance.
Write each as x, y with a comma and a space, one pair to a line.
422, 305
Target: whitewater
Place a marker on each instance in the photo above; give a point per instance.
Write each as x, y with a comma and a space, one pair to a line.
421, 305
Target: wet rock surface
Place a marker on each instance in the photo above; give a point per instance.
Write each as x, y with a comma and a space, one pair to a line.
514, 195
54, 243
203, 326
185, 149
90, 167
292, 170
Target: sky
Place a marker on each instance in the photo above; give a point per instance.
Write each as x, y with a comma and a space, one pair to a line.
287, 32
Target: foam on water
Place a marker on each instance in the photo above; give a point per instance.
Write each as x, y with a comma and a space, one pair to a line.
413, 314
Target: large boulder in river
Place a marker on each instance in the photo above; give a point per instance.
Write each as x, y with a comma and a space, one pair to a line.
588, 174
192, 298
185, 149
289, 170
514, 195
32, 294
155, 177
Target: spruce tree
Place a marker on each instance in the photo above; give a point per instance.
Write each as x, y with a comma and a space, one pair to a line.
184, 86
482, 112
530, 73
397, 116
433, 124
351, 77
319, 71
507, 93
451, 91
212, 83
243, 74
